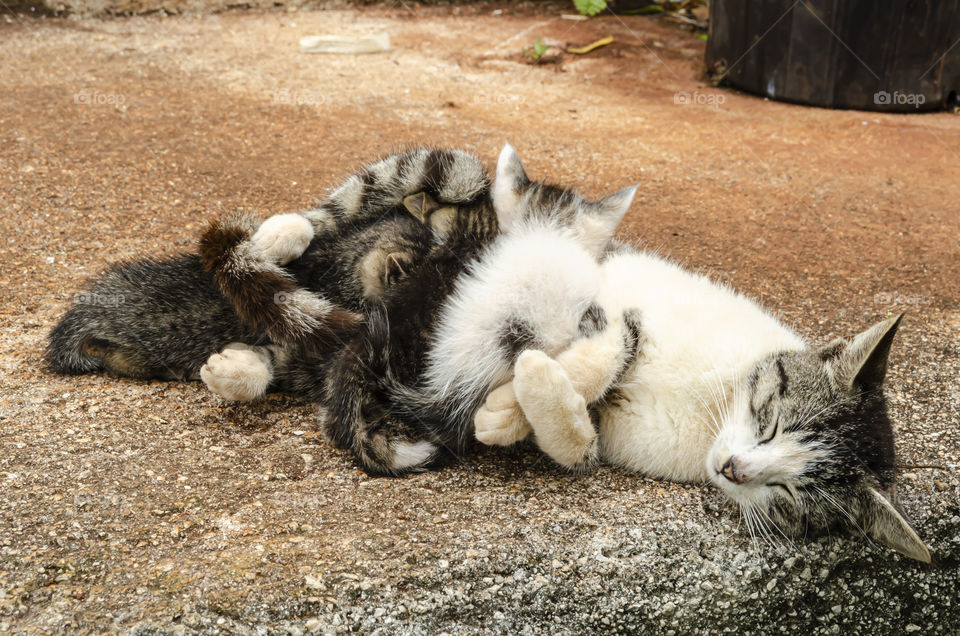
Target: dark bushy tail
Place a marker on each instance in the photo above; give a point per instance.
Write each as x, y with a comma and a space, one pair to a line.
71, 347
265, 296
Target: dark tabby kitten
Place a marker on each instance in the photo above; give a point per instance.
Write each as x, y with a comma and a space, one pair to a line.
163, 318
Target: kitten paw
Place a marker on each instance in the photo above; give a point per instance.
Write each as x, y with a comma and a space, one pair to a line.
281, 238
500, 422
557, 413
539, 379
240, 373
535, 368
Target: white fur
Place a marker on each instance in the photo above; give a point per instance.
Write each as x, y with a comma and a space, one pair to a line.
410, 454
597, 227
700, 339
562, 427
320, 218
281, 238
538, 275
409, 179
240, 372
464, 178
505, 193
385, 169
350, 194
501, 421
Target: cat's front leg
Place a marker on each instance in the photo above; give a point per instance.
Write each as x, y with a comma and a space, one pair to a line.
240, 372
500, 421
595, 363
556, 411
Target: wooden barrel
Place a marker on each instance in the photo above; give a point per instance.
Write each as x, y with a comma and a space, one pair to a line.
889, 55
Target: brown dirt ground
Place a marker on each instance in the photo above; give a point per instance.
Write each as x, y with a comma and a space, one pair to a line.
155, 507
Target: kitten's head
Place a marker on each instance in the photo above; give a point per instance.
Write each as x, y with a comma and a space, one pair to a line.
807, 442
518, 200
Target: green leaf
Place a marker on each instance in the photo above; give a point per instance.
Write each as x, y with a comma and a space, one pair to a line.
537, 50
590, 7
702, 36
648, 10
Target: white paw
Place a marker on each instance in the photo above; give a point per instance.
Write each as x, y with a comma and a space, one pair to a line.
535, 369
240, 373
500, 422
407, 455
281, 238
557, 413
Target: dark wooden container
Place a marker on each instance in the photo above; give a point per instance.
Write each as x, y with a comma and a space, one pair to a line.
888, 55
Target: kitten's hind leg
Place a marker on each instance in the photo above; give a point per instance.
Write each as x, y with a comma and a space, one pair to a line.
557, 413
281, 238
359, 419
500, 421
240, 372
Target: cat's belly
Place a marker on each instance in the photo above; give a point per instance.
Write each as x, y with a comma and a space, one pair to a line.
657, 434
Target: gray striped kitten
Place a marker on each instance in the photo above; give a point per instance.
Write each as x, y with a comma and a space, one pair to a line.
164, 318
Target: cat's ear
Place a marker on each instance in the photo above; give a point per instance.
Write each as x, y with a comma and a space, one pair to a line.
862, 362
441, 219
507, 186
420, 205
883, 521
601, 219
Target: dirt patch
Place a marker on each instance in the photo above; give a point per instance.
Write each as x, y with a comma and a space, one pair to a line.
152, 506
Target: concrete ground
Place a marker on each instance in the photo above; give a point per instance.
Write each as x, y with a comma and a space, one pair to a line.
150, 507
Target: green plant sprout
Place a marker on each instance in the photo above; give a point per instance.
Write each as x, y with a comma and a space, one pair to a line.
537, 50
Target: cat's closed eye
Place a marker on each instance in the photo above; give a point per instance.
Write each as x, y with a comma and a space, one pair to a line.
770, 435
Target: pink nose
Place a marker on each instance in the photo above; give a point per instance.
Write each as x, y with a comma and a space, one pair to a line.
732, 471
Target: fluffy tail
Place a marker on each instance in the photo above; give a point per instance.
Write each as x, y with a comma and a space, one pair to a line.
71, 345
264, 295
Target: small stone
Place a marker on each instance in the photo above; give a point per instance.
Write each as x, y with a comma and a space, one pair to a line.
912, 628
443, 564
771, 584
910, 476
941, 485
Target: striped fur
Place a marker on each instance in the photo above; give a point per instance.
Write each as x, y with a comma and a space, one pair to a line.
359, 220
